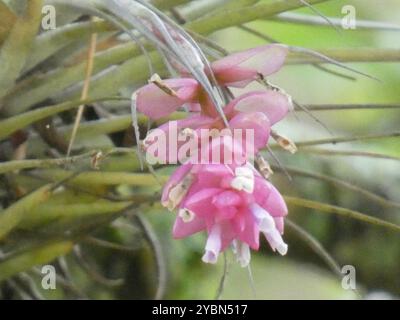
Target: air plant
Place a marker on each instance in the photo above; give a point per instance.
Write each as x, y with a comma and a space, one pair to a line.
72, 182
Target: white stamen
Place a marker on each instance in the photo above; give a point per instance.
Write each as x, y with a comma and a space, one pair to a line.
186, 215
213, 245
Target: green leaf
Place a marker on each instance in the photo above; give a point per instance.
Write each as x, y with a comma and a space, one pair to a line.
323, 207
226, 19
7, 20
16, 47
62, 213
10, 125
13, 215
33, 257
101, 178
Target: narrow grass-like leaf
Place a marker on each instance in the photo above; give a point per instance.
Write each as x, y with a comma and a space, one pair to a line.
62, 213
16, 47
49, 42
334, 107
300, 144
94, 178
342, 183
7, 20
348, 213
13, 215
37, 88
13, 124
33, 257
313, 20
347, 153
225, 19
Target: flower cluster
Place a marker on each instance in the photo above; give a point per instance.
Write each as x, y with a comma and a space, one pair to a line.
231, 201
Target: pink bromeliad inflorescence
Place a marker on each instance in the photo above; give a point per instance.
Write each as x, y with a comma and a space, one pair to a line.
232, 202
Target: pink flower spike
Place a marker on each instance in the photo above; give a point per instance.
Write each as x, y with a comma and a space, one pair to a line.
241, 68
160, 101
233, 204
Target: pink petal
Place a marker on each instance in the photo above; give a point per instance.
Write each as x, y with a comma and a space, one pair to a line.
194, 107
222, 149
226, 202
155, 103
174, 179
236, 77
279, 223
250, 232
184, 229
240, 68
170, 131
259, 125
228, 234
195, 121
275, 105
201, 202
262, 189
226, 199
212, 175
275, 204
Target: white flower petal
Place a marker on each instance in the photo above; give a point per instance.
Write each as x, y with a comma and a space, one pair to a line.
267, 225
213, 245
276, 242
265, 221
243, 183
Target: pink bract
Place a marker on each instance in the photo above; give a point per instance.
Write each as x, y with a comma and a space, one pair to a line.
236, 70
255, 112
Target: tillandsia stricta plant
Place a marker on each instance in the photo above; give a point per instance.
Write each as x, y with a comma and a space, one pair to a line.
175, 121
